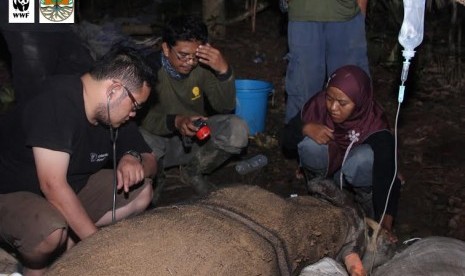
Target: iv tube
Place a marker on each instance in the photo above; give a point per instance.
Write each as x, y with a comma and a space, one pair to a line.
410, 36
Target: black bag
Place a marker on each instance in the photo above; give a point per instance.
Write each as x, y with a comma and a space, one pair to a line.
291, 136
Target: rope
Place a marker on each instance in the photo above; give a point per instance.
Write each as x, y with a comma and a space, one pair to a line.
270, 237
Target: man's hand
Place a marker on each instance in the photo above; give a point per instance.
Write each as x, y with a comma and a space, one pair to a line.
363, 6
319, 133
212, 57
184, 124
129, 172
354, 265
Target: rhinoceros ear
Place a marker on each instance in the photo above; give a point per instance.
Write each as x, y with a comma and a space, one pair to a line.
372, 224
371, 234
379, 248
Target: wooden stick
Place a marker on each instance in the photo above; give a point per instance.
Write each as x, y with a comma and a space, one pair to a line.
260, 7
254, 15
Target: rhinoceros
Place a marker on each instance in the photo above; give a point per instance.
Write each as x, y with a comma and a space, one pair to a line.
435, 255
238, 230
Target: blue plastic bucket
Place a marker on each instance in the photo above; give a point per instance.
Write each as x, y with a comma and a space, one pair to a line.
252, 103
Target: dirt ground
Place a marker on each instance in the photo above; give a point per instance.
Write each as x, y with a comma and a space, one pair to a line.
430, 133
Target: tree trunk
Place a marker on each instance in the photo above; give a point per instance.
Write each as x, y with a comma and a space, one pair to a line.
214, 15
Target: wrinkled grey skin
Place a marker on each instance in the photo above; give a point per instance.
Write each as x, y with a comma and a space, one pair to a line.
439, 256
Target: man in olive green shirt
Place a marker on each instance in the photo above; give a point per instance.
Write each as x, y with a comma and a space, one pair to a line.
194, 82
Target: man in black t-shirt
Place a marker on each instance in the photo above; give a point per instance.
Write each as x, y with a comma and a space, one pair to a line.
54, 154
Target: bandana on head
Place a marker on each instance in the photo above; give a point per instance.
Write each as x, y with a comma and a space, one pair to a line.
366, 118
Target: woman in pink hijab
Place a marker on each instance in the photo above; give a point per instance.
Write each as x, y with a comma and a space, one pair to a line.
347, 137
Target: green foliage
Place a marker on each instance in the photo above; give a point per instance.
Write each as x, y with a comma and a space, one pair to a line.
7, 95
7, 98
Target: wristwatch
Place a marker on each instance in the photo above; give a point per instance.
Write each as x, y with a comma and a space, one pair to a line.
135, 154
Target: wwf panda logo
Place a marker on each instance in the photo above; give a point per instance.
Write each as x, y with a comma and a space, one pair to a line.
21, 5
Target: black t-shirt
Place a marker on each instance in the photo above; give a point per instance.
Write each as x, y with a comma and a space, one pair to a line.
55, 119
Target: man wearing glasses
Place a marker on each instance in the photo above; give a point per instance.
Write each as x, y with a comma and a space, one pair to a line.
194, 82
57, 187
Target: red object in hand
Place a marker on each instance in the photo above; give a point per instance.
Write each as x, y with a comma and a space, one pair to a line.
204, 130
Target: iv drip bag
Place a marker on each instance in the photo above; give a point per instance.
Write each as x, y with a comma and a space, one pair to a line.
411, 31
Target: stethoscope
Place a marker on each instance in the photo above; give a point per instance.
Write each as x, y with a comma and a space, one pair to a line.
113, 138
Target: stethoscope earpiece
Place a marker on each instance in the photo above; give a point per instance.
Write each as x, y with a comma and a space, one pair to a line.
109, 94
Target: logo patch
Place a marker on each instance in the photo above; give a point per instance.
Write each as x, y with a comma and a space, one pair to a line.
56, 11
195, 93
98, 157
21, 11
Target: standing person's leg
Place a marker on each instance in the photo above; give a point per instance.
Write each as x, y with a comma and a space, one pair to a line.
34, 228
306, 71
347, 44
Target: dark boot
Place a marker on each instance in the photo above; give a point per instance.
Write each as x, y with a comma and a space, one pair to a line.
158, 183
311, 178
205, 161
158, 186
190, 175
364, 197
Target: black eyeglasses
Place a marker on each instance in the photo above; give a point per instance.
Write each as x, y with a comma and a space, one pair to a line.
185, 57
136, 105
